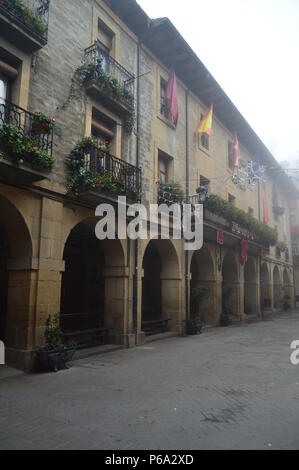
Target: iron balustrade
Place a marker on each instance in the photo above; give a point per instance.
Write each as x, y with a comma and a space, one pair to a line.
124, 177
26, 122
104, 66
32, 14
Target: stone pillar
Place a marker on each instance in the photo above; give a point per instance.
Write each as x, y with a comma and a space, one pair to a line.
171, 300
116, 304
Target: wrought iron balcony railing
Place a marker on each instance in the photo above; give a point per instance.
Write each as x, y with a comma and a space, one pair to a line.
30, 128
108, 73
114, 175
33, 15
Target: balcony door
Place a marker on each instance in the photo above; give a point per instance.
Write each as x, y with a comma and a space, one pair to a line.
3, 88
105, 41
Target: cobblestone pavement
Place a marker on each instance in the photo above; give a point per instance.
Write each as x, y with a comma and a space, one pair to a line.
230, 388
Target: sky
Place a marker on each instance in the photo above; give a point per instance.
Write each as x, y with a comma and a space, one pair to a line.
251, 47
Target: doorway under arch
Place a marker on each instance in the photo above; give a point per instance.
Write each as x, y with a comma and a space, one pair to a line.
203, 294
277, 287
16, 324
266, 295
230, 286
91, 311
161, 285
250, 288
4, 256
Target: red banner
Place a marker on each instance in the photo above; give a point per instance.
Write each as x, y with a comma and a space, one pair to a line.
220, 236
244, 250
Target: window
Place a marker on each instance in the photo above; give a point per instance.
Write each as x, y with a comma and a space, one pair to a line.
102, 129
231, 199
163, 170
203, 139
250, 211
163, 109
3, 87
165, 167
230, 156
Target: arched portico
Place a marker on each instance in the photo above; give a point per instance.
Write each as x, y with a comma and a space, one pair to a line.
277, 289
161, 297
17, 279
266, 287
251, 288
203, 287
231, 295
287, 290
94, 286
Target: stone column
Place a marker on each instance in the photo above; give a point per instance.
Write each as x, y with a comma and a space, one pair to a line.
172, 305
116, 304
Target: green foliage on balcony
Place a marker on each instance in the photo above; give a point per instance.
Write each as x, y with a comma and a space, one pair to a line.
94, 71
261, 232
83, 177
25, 14
23, 149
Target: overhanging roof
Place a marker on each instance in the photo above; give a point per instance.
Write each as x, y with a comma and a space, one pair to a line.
162, 38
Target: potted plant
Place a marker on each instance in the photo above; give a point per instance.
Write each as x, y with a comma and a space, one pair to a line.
286, 302
194, 326
42, 124
54, 355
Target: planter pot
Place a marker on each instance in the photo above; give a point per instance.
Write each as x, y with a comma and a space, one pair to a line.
193, 327
56, 359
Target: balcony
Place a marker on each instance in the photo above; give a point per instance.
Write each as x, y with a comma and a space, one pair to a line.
106, 177
108, 81
25, 23
26, 145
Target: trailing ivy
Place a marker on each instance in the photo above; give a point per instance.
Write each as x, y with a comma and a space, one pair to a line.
14, 145
261, 232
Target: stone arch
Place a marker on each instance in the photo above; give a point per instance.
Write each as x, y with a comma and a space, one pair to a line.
161, 286
277, 288
266, 287
230, 285
16, 250
251, 287
203, 288
94, 286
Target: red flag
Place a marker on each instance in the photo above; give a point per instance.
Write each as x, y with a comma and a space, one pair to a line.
171, 97
265, 208
236, 152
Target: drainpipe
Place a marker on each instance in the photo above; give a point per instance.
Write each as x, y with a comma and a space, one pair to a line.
260, 257
136, 254
187, 197
135, 281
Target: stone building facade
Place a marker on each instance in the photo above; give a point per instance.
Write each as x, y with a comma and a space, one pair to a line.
118, 61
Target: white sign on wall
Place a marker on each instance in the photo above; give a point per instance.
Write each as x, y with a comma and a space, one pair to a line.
2, 353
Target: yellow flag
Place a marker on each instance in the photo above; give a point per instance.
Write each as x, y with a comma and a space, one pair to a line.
205, 125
